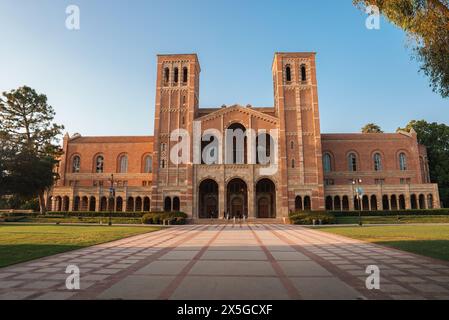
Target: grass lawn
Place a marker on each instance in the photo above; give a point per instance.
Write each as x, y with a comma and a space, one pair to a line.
430, 240
394, 219
27, 242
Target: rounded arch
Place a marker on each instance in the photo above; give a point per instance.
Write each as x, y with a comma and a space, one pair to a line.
146, 204
413, 201
298, 203
264, 145
265, 198
303, 71
167, 204
75, 163
402, 157
422, 201
353, 160
402, 205
373, 202
176, 204
130, 204
166, 75
119, 204
237, 198
208, 198
139, 204
84, 203
58, 203
288, 73
239, 154
147, 163
365, 203
103, 204
328, 161
337, 203
329, 203
92, 204
394, 202
385, 202
377, 160
122, 163
345, 203
185, 75
98, 163
307, 203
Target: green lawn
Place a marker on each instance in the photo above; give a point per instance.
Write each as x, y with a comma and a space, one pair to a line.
427, 240
27, 242
394, 219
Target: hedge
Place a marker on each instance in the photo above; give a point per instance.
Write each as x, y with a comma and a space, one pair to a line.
159, 218
415, 212
95, 214
307, 218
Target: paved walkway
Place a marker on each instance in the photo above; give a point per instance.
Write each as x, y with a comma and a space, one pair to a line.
261, 262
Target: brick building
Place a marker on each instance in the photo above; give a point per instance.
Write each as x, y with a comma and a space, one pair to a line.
314, 171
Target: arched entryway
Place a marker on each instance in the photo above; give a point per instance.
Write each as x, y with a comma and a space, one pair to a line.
265, 199
237, 198
208, 199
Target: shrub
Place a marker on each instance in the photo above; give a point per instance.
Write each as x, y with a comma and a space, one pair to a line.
306, 218
159, 217
414, 212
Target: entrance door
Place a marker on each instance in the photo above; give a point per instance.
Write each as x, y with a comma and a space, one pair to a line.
237, 207
263, 208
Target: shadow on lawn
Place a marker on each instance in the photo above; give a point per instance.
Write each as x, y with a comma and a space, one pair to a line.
17, 253
438, 249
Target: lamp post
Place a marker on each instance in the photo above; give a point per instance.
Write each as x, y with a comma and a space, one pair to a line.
111, 198
359, 193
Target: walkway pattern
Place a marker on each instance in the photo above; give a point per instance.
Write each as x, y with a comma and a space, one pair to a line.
262, 262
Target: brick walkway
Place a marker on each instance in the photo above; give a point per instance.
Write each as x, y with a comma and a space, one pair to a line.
261, 262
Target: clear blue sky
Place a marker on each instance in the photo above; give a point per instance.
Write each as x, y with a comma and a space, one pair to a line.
101, 79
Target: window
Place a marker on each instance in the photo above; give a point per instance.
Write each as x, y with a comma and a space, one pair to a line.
292, 145
402, 161
163, 164
288, 73
148, 164
76, 164
303, 73
184, 75
293, 163
329, 182
99, 164
166, 75
327, 162
352, 162
163, 147
379, 181
176, 75
377, 162
123, 164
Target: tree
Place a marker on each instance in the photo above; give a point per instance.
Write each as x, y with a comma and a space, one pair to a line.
371, 128
426, 23
435, 136
26, 122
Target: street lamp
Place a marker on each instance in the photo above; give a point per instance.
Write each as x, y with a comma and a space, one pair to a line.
111, 198
359, 193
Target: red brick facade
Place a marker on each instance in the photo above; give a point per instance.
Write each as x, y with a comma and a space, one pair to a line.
314, 171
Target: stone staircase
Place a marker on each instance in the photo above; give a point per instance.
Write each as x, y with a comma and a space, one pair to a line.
237, 221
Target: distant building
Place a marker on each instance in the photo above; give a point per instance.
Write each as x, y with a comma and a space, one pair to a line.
315, 171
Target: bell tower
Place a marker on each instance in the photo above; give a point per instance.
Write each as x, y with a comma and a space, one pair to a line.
177, 100
296, 105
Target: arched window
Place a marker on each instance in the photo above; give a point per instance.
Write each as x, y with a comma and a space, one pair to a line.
184, 74
303, 73
352, 162
402, 161
163, 164
166, 75
123, 164
76, 163
292, 145
288, 73
167, 204
176, 204
293, 163
99, 164
148, 164
176, 75
377, 162
327, 162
